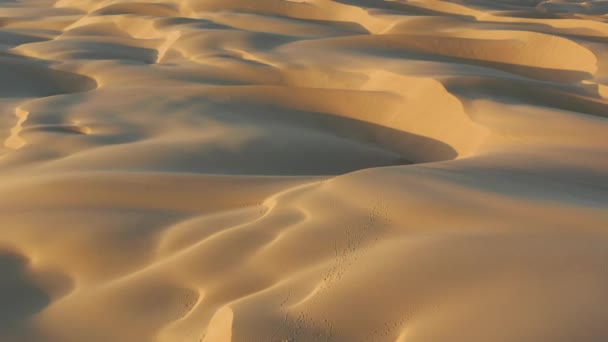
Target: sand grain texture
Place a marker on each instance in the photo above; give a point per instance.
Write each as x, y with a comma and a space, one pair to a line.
312, 170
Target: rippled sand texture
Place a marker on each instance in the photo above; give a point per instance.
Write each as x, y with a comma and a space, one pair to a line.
313, 170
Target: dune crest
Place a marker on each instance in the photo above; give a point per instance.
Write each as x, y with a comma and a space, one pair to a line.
14, 141
303, 170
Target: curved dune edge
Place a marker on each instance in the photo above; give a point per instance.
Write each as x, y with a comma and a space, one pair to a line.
14, 141
314, 170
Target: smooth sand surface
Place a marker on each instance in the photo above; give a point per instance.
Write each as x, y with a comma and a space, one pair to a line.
303, 170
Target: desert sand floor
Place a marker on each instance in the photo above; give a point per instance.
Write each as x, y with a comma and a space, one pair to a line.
303, 170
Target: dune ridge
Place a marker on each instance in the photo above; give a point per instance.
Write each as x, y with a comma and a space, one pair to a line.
312, 170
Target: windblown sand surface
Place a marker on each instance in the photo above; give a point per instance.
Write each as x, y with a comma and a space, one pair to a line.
312, 170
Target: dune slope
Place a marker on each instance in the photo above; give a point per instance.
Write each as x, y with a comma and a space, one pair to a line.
303, 170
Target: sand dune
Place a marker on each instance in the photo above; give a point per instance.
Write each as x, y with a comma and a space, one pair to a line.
303, 170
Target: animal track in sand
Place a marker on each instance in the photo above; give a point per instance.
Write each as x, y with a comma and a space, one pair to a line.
296, 324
